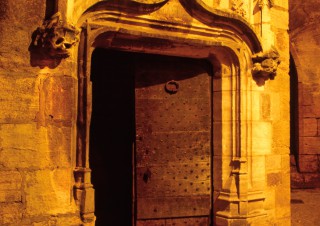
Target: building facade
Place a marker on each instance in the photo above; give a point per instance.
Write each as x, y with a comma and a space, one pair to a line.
145, 112
304, 45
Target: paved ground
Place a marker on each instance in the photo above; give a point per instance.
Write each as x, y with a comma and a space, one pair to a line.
305, 207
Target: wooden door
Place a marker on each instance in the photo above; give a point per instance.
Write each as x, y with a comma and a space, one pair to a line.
173, 118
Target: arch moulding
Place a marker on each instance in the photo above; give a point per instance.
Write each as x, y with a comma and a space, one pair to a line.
187, 29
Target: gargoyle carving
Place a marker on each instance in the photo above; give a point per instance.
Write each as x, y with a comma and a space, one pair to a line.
56, 37
265, 65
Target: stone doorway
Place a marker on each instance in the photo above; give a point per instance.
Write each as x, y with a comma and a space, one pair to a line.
151, 139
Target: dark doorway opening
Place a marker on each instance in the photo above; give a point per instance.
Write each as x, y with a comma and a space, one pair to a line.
112, 135
133, 112
294, 110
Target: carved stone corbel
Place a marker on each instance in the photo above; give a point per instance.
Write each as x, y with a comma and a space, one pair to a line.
56, 37
265, 65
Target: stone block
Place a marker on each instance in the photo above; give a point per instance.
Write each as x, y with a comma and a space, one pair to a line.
282, 201
269, 202
23, 136
297, 180
318, 124
37, 147
49, 192
310, 127
57, 101
281, 137
285, 163
19, 99
282, 43
261, 138
312, 180
23, 146
258, 168
265, 106
307, 111
10, 196
10, 190
60, 145
307, 98
311, 145
255, 101
274, 179
275, 103
11, 214
279, 18
273, 162
308, 163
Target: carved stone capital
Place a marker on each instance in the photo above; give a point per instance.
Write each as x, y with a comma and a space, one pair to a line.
265, 65
56, 37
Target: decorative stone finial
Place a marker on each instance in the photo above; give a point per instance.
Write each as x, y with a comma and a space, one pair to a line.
268, 3
265, 65
56, 37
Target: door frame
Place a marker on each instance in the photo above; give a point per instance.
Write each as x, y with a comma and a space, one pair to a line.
229, 50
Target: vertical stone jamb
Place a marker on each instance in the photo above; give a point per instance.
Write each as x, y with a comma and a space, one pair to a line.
83, 189
241, 205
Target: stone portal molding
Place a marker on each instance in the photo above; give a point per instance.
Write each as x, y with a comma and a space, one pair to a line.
56, 37
132, 6
149, 2
229, 20
265, 65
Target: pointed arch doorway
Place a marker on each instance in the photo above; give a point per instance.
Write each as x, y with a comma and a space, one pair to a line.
151, 139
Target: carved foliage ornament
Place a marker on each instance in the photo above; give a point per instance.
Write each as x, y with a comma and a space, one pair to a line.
56, 37
265, 65
237, 7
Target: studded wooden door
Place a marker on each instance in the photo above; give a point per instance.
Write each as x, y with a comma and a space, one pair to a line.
173, 167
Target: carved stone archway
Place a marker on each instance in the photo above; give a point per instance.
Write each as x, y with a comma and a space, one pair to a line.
190, 30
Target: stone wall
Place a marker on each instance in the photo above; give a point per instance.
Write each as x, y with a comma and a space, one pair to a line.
304, 45
274, 110
37, 123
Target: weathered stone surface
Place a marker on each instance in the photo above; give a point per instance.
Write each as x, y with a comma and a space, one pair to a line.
11, 213
10, 190
274, 179
57, 101
54, 197
309, 164
273, 162
311, 145
19, 98
310, 127
15, 34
